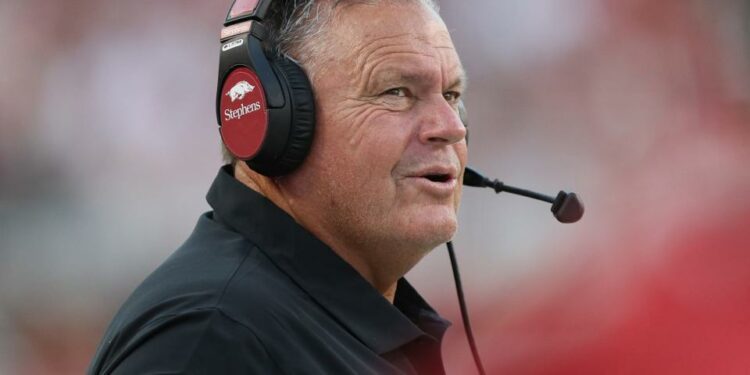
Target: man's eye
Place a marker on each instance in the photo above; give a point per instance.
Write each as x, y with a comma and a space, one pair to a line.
398, 91
452, 96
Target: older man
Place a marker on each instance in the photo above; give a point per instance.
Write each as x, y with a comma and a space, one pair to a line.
303, 273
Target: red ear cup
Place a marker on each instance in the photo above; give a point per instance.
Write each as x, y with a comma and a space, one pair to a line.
243, 113
272, 141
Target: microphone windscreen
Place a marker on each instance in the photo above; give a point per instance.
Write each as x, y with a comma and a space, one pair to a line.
567, 208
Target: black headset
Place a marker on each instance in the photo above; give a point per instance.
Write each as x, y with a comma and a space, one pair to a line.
264, 103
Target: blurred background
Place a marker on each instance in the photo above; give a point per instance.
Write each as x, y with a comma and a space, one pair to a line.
108, 144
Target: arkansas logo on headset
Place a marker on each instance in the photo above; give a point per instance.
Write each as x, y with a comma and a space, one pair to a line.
243, 111
239, 90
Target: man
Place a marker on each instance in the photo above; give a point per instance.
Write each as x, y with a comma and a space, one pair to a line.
303, 273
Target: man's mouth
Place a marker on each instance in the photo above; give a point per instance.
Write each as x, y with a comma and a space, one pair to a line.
442, 177
437, 173
437, 180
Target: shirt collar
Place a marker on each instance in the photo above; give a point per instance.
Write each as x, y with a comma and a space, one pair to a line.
320, 272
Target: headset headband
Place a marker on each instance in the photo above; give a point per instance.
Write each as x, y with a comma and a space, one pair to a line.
242, 10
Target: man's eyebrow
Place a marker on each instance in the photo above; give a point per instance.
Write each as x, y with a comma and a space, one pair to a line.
400, 75
396, 74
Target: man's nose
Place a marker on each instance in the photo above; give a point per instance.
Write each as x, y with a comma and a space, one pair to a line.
441, 124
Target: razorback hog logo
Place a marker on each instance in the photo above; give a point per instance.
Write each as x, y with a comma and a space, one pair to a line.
239, 90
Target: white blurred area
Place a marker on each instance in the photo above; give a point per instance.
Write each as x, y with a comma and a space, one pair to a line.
108, 144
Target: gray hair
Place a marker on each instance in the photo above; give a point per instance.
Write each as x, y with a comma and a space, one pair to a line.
294, 24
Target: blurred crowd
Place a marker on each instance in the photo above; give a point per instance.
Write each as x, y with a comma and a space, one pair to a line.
108, 143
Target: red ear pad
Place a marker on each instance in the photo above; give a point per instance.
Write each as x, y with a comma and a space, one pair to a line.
243, 113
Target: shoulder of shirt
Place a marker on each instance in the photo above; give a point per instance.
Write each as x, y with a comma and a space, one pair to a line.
216, 269
191, 341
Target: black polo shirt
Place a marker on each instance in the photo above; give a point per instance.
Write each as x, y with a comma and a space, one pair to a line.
252, 292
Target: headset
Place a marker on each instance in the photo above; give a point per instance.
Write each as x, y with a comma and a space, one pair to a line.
264, 103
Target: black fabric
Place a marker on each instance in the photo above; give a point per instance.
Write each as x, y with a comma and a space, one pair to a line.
251, 292
302, 128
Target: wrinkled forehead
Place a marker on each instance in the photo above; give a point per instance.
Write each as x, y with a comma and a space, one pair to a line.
357, 30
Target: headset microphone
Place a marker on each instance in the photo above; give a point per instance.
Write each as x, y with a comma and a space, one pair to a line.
566, 207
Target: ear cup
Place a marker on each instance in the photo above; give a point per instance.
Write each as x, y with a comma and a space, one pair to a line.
302, 108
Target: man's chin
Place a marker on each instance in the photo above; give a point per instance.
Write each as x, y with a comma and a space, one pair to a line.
434, 228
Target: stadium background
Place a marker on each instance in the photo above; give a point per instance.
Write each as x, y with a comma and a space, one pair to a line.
108, 144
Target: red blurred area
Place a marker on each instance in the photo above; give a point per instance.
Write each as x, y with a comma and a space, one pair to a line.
687, 315
667, 288
649, 110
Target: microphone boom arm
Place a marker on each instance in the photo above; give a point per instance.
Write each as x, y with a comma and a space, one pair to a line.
566, 207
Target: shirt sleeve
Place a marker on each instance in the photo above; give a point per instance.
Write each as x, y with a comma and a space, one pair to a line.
199, 342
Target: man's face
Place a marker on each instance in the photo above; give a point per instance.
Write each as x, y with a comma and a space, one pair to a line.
385, 169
